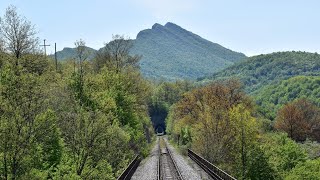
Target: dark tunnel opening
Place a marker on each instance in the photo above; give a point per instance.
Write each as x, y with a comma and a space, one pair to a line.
159, 129
158, 114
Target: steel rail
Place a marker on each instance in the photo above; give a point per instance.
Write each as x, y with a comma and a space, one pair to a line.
215, 172
129, 171
180, 177
170, 156
159, 160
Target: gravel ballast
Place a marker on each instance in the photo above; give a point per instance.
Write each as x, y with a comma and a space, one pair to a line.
148, 167
186, 170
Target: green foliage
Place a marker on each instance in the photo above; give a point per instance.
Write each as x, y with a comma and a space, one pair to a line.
47, 152
272, 97
186, 135
84, 122
172, 53
164, 95
65, 170
32, 63
73, 125
216, 121
24, 122
115, 55
258, 71
243, 129
284, 154
70, 53
259, 166
312, 148
307, 170
107, 121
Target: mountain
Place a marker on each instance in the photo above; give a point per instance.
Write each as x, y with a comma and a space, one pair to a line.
272, 97
171, 52
258, 71
69, 53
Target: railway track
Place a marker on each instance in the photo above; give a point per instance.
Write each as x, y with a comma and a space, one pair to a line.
167, 167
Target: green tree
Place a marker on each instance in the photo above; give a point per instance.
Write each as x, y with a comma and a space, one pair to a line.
22, 107
307, 170
115, 55
284, 154
218, 116
243, 128
258, 166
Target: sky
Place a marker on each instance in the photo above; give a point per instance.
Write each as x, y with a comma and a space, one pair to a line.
249, 26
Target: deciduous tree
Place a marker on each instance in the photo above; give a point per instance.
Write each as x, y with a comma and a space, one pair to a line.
17, 33
24, 124
221, 126
116, 55
300, 119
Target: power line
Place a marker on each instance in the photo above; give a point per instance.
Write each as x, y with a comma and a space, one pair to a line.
45, 46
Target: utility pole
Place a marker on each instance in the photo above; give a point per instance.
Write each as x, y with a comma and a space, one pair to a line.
45, 46
55, 55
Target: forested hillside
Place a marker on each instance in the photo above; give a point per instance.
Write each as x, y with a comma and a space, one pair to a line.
86, 118
262, 70
272, 97
171, 52
219, 122
70, 53
285, 88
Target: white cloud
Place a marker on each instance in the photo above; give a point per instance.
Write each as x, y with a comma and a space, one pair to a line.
163, 9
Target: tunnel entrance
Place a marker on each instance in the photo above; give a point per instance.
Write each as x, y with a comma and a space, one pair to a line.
158, 111
159, 124
159, 129
158, 116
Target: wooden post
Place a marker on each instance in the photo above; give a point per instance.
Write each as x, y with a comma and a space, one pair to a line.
55, 55
45, 47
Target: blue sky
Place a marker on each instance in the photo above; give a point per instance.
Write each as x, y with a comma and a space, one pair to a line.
248, 26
